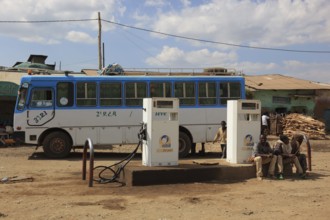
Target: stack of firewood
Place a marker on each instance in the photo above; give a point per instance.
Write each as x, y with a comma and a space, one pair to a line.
298, 123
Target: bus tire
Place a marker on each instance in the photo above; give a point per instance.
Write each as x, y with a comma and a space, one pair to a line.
57, 145
184, 144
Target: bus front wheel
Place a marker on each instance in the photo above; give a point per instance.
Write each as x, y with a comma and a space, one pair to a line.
57, 145
184, 144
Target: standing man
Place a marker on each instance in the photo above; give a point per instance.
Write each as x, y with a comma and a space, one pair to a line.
221, 136
263, 154
264, 123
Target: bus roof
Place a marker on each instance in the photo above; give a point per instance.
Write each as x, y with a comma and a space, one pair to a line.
125, 77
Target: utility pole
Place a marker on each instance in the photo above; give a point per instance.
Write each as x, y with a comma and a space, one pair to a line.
100, 39
103, 55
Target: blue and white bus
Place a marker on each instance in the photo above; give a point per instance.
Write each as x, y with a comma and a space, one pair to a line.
61, 112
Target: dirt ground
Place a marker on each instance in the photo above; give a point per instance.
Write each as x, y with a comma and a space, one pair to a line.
58, 192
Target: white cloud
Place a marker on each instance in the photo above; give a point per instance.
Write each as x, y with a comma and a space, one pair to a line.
185, 3
81, 37
314, 71
175, 57
264, 23
39, 10
255, 68
39, 39
154, 3
167, 56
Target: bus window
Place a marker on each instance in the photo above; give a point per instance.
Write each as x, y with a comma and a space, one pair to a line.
22, 98
41, 98
110, 94
135, 92
235, 90
86, 94
64, 92
207, 93
229, 91
185, 91
160, 89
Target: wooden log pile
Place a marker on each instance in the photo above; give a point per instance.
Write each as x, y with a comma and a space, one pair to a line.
294, 123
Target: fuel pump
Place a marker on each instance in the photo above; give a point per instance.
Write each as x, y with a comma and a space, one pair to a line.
161, 123
243, 129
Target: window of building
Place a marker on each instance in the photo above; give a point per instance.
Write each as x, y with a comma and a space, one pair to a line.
281, 100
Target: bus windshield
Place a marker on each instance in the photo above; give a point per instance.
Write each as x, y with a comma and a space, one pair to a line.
22, 94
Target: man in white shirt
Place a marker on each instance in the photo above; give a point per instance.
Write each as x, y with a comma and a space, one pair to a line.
264, 122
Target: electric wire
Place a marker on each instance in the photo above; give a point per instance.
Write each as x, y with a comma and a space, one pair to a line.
173, 35
49, 21
125, 32
216, 42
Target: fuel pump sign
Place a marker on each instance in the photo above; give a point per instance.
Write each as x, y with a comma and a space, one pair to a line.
160, 118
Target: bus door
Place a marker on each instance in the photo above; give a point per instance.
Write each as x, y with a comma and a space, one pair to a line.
41, 108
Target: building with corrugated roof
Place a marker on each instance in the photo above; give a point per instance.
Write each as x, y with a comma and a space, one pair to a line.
284, 94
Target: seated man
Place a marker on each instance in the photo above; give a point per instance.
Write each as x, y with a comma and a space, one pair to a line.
296, 141
283, 151
263, 154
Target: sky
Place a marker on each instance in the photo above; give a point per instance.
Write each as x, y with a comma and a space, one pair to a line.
254, 37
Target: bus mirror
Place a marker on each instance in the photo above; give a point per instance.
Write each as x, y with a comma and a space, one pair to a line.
25, 85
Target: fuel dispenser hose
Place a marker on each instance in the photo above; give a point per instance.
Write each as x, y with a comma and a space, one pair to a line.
118, 167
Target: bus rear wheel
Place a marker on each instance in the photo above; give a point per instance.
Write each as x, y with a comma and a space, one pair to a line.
57, 145
184, 144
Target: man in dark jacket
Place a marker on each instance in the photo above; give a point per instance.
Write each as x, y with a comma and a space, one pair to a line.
263, 154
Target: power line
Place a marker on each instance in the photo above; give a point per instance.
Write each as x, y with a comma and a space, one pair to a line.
136, 45
216, 42
50, 21
173, 35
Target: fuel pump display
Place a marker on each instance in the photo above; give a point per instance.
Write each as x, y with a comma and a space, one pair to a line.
161, 144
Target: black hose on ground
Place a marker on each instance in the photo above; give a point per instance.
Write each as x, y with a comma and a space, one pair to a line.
118, 167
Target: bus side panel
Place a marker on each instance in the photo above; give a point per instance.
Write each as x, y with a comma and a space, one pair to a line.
110, 134
40, 117
20, 122
129, 120
131, 134
194, 120
83, 133
103, 126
